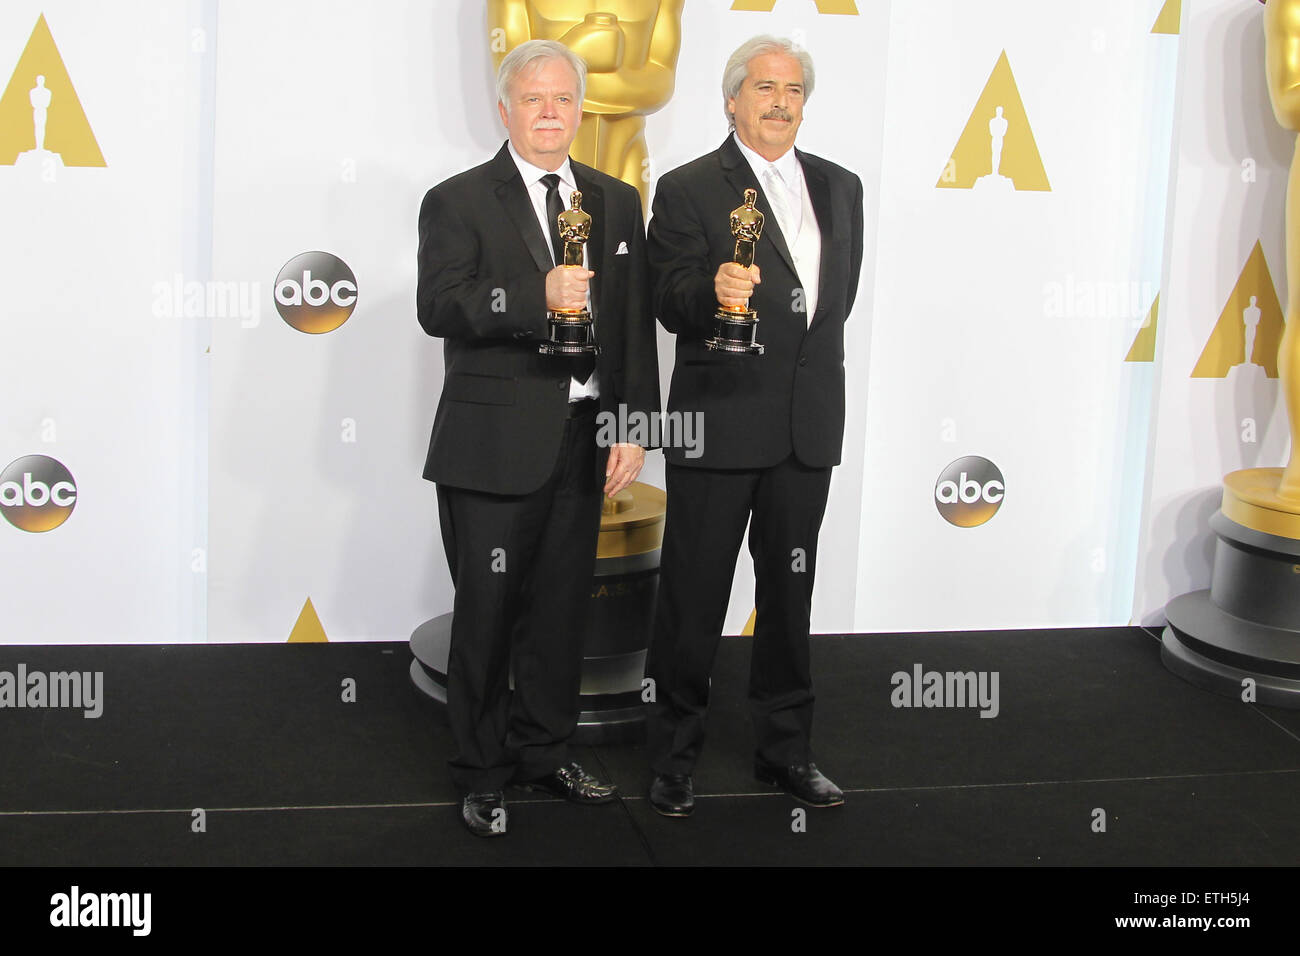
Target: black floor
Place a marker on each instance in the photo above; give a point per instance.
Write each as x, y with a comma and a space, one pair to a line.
287, 772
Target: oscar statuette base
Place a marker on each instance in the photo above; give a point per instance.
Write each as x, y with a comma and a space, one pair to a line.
568, 333
1246, 626
624, 588
735, 332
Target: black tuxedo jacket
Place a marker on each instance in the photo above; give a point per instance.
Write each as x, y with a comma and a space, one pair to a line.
757, 409
482, 288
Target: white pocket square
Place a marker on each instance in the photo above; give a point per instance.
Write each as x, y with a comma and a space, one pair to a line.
622, 249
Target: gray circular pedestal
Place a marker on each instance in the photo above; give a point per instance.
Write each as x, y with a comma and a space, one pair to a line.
618, 633
1247, 625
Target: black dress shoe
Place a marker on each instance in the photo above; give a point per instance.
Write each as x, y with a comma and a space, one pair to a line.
574, 784
485, 813
673, 794
804, 782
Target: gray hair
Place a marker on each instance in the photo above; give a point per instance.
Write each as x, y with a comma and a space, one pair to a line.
526, 54
733, 77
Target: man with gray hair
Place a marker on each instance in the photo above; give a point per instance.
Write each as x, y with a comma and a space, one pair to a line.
773, 423
514, 445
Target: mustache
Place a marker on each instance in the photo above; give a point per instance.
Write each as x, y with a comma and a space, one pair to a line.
778, 113
548, 124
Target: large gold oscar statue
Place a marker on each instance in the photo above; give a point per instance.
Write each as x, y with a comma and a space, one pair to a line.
630, 47
1268, 499
1282, 66
1241, 637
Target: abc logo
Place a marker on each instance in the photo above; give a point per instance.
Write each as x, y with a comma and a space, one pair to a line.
37, 493
969, 491
315, 292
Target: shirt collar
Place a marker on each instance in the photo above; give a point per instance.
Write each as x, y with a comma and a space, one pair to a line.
787, 164
532, 174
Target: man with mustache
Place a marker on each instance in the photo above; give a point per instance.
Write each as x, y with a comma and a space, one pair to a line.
513, 449
773, 423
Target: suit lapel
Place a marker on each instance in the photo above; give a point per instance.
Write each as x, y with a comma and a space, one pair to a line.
518, 208
819, 194
593, 201
741, 176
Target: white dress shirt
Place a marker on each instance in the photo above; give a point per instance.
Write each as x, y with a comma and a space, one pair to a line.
801, 231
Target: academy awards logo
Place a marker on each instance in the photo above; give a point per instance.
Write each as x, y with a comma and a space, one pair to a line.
37, 493
42, 124
969, 491
1249, 329
996, 151
315, 292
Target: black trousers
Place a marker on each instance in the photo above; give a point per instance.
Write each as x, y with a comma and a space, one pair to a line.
707, 513
522, 567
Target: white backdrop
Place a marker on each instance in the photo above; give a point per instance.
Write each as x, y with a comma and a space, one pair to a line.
1003, 315
98, 372
231, 468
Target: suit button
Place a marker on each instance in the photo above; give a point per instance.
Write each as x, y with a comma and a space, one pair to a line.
562, 383
803, 361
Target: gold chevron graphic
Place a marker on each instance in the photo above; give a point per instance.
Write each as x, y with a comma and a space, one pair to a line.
1227, 342
67, 131
1143, 348
1170, 19
847, 7
307, 629
971, 165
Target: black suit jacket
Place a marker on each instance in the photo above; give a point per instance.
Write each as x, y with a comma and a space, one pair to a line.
482, 288
757, 409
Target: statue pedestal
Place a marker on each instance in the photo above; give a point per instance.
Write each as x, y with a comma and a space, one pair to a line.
994, 183
1247, 625
618, 625
38, 160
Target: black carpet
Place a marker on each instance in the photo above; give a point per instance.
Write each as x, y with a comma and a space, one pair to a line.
259, 737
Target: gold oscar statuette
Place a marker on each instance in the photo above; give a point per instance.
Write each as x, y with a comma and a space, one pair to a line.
1282, 68
569, 331
736, 326
1268, 499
